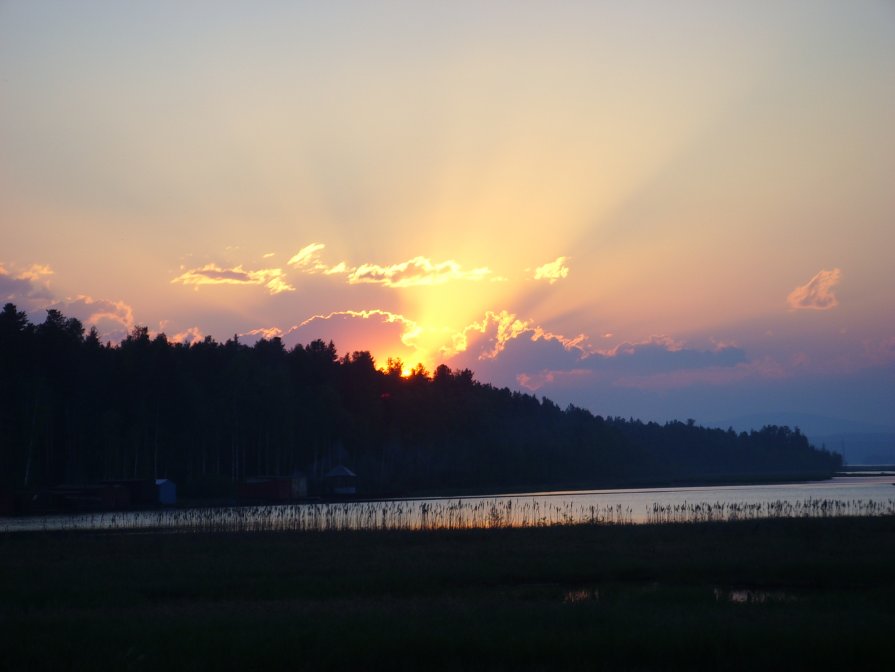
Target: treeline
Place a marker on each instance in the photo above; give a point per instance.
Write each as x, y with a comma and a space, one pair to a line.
210, 414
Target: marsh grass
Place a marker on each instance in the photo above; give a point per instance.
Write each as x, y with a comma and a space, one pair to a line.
436, 515
793, 593
343, 516
704, 512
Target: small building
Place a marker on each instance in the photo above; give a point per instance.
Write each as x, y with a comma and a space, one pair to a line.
340, 481
166, 491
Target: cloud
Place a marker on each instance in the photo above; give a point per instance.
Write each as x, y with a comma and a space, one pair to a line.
307, 260
266, 333
649, 366
415, 272
383, 333
306, 255
409, 327
28, 288
661, 354
113, 319
507, 350
211, 274
553, 271
489, 337
766, 368
189, 336
817, 293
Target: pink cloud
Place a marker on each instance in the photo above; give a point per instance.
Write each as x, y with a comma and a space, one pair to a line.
113, 319
381, 332
817, 293
188, 336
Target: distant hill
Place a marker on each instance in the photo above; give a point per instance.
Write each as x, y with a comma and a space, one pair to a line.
859, 448
857, 442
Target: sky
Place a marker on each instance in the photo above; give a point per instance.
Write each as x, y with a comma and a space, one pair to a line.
649, 209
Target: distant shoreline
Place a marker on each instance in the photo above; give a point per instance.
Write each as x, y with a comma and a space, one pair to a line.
541, 490
633, 484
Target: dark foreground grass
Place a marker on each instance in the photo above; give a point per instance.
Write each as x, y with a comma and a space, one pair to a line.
815, 594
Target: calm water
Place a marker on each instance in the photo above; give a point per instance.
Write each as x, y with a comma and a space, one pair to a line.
844, 489
873, 495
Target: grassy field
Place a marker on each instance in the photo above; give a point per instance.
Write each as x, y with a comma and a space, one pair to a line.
771, 594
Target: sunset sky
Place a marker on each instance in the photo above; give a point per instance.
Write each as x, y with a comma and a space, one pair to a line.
650, 209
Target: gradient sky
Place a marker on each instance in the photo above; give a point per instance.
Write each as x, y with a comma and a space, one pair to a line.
651, 209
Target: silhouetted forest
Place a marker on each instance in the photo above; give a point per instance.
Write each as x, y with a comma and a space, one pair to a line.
206, 415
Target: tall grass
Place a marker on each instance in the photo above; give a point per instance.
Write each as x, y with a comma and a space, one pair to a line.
440, 515
695, 512
384, 515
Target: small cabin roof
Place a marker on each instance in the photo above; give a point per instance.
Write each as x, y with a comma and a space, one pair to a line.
340, 470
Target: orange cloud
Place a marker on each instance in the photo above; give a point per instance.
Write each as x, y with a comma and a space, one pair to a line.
381, 332
817, 293
36, 272
265, 333
414, 272
211, 274
503, 327
410, 328
553, 271
188, 336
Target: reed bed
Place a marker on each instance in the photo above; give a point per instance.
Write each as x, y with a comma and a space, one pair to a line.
325, 517
439, 515
698, 512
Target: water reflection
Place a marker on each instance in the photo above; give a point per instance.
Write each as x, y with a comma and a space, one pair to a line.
838, 497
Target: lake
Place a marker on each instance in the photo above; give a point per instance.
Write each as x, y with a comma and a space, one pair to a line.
839, 496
